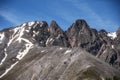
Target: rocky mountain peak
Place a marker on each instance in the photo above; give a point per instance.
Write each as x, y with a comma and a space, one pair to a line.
55, 29
80, 22
57, 36
53, 24
80, 34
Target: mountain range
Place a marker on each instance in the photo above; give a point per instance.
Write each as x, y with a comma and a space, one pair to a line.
38, 51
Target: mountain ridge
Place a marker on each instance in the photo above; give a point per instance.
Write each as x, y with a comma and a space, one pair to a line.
18, 41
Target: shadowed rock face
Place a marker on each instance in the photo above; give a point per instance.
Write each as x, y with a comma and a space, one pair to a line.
81, 35
28, 52
57, 36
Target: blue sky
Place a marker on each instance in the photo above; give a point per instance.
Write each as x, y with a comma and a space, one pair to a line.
99, 14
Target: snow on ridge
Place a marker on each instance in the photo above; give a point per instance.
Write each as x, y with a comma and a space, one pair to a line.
18, 32
15, 30
24, 24
112, 35
68, 51
2, 35
41, 23
49, 40
31, 23
21, 33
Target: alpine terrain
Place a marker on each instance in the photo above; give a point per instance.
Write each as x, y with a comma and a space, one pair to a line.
38, 51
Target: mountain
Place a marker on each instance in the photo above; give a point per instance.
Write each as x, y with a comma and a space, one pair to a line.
37, 51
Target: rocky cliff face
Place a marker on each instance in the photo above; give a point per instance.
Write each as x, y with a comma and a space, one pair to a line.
102, 44
28, 52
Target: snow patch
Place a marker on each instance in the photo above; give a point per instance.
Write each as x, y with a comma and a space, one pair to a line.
28, 46
49, 40
34, 32
31, 23
34, 25
112, 35
18, 35
68, 51
41, 42
61, 48
27, 41
2, 35
23, 53
37, 33
112, 46
43, 51
33, 35
102, 77
20, 32
27, 31
7, 70
38, 22
23, 24
15, 30
41, 24
10, 41
4, 57
58, 36
87, 66
29, 28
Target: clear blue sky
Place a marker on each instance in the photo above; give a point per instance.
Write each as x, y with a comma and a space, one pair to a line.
99, 14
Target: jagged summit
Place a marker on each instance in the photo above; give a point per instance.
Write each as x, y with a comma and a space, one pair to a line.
81, 22
31, 41
54, 28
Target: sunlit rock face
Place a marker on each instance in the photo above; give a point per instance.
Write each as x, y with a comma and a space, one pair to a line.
37, 51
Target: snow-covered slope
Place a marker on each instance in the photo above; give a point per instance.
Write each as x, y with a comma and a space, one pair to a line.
112, 35
16, 38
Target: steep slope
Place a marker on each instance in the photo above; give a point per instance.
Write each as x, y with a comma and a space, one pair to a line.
57, 63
